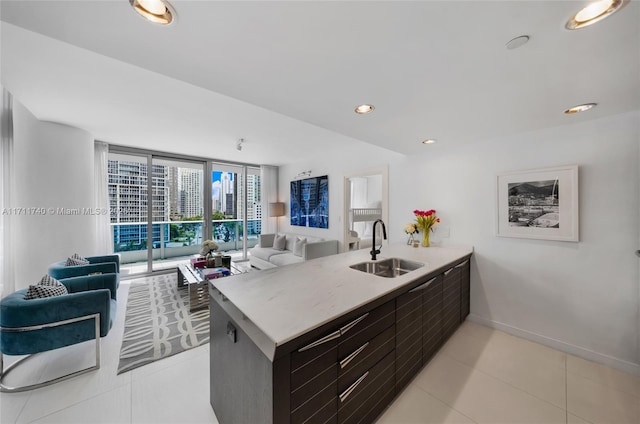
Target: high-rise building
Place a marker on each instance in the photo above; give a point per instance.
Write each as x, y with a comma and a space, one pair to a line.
128, 200
172, 183
254, 208
190, 189
225, 188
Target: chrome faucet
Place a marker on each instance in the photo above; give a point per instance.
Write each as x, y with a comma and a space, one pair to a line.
375, 251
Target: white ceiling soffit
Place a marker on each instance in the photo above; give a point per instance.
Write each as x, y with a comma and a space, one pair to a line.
127, 105
432, 69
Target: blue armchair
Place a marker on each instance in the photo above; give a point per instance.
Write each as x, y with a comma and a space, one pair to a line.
103, 264
28, 327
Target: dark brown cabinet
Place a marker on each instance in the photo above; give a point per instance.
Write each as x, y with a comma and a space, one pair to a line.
426, 316
432, 318
314, 378
465, 288
332, 375
345, 372
419, 324
409, 311
450, 302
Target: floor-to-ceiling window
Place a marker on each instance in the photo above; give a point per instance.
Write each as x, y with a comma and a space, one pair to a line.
178, 211
159, 204
128, 200
236, 209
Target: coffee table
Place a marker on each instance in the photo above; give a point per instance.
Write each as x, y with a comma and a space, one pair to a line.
197, 284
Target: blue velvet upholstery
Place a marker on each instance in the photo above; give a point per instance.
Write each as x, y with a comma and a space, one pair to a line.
104, 264
87, 295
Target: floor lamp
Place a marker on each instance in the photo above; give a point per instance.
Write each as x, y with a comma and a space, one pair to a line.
276, 210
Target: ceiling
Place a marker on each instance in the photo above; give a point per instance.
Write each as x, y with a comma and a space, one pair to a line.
286, 76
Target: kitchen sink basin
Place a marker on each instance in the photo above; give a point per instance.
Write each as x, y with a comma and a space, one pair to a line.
389, 268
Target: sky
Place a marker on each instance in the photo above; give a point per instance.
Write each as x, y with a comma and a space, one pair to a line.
215, 182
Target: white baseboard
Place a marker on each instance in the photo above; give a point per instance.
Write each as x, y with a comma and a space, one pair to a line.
628, 367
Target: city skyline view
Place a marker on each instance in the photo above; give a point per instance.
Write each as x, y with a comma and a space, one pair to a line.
178, 205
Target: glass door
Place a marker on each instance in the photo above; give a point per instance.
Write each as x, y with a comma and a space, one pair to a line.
178, 211
236, 208
252, 198
128, 207
159, 204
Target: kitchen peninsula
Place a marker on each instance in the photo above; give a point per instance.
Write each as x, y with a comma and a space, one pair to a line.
324, 343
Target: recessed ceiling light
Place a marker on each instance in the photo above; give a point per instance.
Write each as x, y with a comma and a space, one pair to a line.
429, 141
362, 109
594, 12
580, 108
156, 11
514, 43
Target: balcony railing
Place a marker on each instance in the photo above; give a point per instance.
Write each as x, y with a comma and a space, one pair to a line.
173, 239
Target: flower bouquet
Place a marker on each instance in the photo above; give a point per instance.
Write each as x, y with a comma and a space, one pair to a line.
425, 222
411, 229
208, 246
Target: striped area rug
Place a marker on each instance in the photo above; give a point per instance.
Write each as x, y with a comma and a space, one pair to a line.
158, 323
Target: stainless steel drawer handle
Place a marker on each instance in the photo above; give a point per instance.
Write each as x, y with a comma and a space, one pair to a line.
423, 286
351, 388
462, 264
448, 272
352, 324
318, 342
351, 357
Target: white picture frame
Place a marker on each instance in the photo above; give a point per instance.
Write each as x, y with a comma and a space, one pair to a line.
539, 204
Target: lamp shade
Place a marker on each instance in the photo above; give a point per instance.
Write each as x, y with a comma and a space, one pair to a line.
276, 209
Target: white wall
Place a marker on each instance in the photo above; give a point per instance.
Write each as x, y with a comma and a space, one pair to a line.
53, 169
335, 164
581, 297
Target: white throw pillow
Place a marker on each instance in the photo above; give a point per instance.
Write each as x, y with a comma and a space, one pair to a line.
280, 242
298, 244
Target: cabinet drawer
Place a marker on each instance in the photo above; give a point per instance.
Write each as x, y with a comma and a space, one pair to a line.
357, 332
303, 372
375, 386
316, 384
366, 356
314, 349
327, 415
322, 404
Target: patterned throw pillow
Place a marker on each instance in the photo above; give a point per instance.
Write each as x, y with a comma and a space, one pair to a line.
47, 287
76, 260
78, 257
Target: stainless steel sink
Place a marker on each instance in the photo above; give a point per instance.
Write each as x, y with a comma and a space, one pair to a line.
389, 268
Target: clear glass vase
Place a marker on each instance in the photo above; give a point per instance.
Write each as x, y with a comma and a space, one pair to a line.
425, 237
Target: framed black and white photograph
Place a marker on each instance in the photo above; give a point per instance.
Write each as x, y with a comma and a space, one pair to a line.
539, 204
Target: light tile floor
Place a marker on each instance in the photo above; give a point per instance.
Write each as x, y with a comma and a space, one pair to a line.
480, 376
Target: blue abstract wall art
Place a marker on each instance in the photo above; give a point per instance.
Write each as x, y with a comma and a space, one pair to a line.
310, 202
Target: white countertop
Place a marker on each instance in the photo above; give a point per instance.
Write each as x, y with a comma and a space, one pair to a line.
287, 302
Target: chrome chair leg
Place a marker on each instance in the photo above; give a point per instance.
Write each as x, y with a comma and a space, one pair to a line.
3, 372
